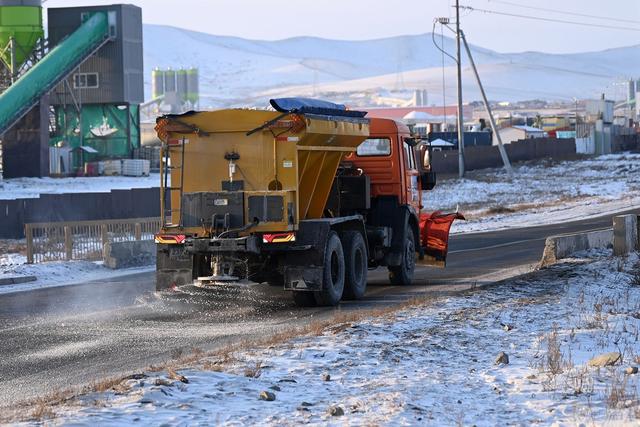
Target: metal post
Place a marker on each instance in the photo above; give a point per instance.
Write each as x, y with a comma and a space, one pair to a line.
138, 231
575, 128
503, 152
28, 231
68, 243
460, 118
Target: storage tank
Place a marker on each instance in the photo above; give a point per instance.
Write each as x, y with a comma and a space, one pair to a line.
193, 86
181, 84
169, 81
22, 21
157, 83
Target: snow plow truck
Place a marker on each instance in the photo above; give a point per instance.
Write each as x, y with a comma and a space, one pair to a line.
309, 196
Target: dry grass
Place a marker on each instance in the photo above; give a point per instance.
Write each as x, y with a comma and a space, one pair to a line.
550, 359
253, 371
105, 384
635, 275
213, 366
497, 210
580, 381
10, 246
554, 360
619, 394
41, 412
172, 374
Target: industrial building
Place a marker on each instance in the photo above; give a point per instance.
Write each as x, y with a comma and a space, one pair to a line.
516, 133
74, 97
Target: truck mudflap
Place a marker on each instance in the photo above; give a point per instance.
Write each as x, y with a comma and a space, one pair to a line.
434, 236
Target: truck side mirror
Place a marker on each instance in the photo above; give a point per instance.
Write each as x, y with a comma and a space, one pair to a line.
428, 180
427, 175
425, 158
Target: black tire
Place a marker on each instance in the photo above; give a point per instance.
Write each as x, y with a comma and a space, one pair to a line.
355, 261
403, 273
333, 273
304, 299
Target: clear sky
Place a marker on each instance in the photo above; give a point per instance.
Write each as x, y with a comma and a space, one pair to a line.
366, 19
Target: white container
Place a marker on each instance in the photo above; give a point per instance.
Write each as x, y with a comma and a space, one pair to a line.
135, 167
110, 167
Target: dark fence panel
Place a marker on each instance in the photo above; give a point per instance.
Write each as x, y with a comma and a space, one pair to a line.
482, 157
10, 215
118, 204
625, 143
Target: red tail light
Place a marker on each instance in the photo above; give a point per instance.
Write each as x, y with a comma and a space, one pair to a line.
170, 239
279, 238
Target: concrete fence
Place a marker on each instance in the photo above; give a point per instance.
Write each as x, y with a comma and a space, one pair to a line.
446, 162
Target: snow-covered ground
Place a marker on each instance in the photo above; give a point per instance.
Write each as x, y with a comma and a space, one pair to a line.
541, 192
32, 187
433, 364
56, 273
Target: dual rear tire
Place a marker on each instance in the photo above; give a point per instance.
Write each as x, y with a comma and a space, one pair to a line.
344, 274
403, 274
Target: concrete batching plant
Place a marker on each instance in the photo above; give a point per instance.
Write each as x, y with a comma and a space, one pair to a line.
80, 90
174, 91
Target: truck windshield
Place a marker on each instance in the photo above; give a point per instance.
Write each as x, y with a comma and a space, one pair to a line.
375, 147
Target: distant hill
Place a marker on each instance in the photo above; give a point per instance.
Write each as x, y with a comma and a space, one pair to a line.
236, 71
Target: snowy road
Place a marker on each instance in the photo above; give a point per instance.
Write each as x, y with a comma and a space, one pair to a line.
56, 338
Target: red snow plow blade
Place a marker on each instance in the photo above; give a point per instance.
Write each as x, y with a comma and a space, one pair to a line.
434, 236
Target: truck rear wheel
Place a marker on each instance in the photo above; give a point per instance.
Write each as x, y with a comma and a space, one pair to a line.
355, 257
403, 273
333, 273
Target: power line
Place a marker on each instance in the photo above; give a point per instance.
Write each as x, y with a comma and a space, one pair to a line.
584, 15
539, 18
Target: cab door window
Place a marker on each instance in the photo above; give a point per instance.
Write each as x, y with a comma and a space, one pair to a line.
374, 147
410, 161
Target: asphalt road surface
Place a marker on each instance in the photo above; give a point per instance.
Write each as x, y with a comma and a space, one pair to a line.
55, 338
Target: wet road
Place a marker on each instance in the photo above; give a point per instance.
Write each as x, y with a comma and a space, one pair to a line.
54, 338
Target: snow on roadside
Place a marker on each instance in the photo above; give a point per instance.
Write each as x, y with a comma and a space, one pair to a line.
432, 364
541, 192
56, 273
17, 188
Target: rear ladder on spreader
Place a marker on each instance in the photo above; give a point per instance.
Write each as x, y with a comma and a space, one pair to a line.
169, 189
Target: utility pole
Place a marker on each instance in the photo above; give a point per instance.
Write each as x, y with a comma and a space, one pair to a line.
460, 118
575, 128
496, 134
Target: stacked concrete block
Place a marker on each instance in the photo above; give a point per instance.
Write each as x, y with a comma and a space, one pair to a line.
625, 234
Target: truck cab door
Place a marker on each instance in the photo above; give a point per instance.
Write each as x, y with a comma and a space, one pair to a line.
434, 237
412, 178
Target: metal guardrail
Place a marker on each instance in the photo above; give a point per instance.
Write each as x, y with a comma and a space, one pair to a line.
83, 240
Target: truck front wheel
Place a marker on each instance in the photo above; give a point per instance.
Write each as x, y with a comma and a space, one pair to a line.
403, 273
355, 256
333, 273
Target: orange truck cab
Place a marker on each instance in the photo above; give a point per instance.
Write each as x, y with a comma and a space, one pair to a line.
399, 170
